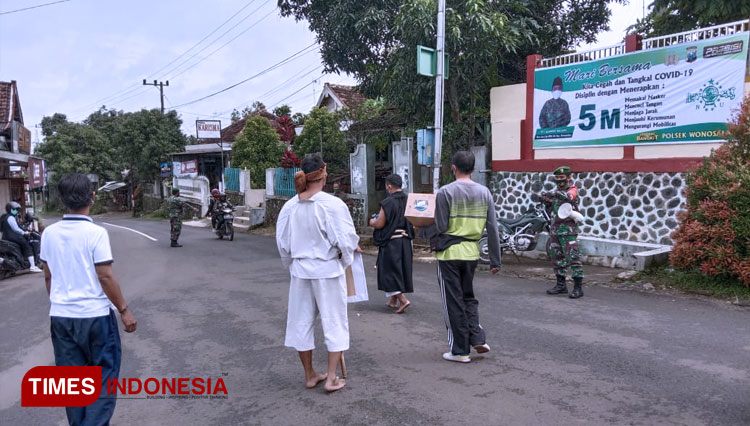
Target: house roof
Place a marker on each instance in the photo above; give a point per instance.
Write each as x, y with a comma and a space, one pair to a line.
10, 106
230, 133
345, 96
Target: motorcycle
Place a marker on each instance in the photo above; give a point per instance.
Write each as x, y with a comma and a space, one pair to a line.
11, 259
520, 234
225, 222
31, 225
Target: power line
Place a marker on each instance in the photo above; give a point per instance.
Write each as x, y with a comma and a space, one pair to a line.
297, 91
130, 89
265, 71
223, 45
273, 90
206, 37
33, 7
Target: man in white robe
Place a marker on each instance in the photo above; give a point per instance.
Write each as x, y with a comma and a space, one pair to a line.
316, 240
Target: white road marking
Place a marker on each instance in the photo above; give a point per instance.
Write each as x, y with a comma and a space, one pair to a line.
132, 230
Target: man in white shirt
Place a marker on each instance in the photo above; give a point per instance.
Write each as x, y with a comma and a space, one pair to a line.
316, 239
82, 288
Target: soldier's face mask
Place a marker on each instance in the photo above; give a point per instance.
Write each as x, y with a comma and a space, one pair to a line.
562, 183
556, 94
14, 212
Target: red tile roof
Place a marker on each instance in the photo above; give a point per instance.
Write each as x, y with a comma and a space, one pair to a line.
349, 95
10, 106
230, 133
6, 90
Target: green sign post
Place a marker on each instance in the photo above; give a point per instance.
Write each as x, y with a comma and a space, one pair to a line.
427, 62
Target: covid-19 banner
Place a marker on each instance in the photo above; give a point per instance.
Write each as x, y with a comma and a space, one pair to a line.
678, 94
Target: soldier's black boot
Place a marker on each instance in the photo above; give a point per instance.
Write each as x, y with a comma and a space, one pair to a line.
577, 288
560, 287
174, 244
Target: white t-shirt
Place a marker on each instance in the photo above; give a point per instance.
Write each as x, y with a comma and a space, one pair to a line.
72, 248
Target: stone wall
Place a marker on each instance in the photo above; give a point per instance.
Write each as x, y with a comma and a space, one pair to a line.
355, 202
357, 205
274, 203
236, 198
151, 203
639, 207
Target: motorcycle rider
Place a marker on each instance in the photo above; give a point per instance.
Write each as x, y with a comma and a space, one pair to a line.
221, 202
563, 234
13, 233
213, 206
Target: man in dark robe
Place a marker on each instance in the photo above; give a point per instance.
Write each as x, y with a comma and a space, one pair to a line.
555, 112
393, 235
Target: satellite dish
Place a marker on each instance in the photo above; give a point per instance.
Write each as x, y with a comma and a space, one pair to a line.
566, 211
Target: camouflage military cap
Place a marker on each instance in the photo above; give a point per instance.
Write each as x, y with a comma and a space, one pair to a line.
561, 173
175, 191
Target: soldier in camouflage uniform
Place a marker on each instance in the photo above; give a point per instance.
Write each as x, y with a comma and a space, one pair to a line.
176, 207
563, 245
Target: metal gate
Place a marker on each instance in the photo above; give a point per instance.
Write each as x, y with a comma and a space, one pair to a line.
284, 181
232, 179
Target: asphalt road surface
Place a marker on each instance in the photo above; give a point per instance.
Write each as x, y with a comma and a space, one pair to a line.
217, 309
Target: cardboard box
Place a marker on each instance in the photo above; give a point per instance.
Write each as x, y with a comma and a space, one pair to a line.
420, 209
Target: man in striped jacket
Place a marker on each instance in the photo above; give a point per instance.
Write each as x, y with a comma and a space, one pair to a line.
463, 209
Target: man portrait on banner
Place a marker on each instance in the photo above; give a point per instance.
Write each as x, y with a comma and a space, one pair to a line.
555, 112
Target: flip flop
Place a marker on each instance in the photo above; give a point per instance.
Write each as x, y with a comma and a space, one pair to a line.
403, 308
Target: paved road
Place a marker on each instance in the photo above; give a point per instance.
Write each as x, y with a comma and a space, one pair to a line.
217, 309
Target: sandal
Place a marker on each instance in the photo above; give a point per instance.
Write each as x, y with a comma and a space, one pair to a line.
403, 308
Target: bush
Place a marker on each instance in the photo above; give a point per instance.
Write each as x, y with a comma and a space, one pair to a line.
323, 130
714, 232
258, 148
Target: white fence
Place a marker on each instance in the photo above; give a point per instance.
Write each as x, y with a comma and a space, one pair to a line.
649, 43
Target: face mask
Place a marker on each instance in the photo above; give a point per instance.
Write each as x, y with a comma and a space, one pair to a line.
556, 94
14, 212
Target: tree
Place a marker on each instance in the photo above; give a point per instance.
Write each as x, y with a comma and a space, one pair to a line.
282, 111
258, 106
239, 115
487, 42
146, 138
51, 124
674, 16
72, 147
257, 149
322, 133
299, 119
247, 111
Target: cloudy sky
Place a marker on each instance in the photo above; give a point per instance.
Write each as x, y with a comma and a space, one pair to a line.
77, 55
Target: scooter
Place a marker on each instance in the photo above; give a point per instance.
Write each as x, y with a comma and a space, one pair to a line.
225, 223
31, 225
520, 234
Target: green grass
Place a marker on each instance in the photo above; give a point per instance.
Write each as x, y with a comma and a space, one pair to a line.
695, 282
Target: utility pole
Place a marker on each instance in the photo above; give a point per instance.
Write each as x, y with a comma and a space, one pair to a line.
161, 85
439, 92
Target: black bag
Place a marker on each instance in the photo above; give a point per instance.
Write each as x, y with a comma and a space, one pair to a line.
441, 242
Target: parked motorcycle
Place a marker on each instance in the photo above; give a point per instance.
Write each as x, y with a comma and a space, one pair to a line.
225, 222
520, 234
